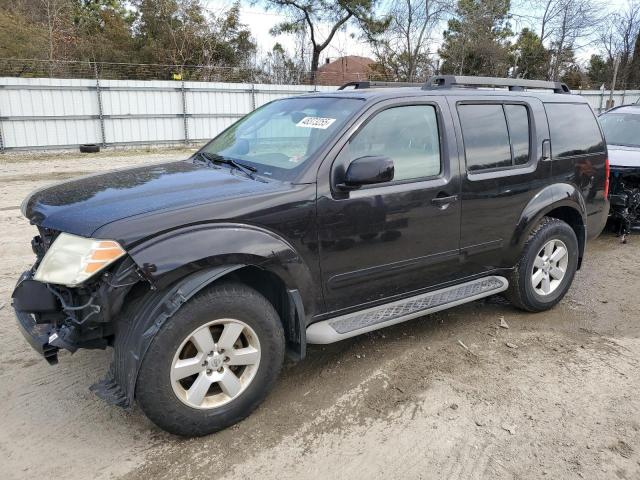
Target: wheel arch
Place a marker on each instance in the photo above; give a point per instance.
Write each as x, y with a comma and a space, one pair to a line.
561, 201
175, 255
184, 263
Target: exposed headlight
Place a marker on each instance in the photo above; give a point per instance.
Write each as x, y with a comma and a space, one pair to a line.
71, 259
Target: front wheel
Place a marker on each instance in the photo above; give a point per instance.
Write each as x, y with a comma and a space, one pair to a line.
213, 362
546, 268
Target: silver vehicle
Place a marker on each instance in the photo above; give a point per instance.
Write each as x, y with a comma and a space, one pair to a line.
621, 126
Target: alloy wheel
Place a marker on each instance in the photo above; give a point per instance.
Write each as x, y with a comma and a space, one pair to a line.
549, 267
215, 363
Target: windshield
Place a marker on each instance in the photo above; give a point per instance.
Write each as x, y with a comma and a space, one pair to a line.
278, 138
621, 129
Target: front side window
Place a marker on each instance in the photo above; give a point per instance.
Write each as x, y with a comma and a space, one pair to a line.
280, 137
495, 135
574, 130
408, 135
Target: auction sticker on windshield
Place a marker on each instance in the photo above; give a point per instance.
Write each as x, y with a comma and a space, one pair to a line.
315, 122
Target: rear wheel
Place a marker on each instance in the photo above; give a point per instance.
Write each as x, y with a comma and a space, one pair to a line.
213, 362
546, 268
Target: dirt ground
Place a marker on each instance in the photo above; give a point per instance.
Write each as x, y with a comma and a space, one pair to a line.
555, 395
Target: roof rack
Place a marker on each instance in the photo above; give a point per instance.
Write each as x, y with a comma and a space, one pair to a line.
360, 84
514, 84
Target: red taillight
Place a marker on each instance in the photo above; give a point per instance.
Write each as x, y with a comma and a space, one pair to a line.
607, 172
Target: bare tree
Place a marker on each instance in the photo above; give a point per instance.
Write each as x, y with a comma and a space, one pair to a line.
310, 15
568, 25
619, 36
56, 18
403, 47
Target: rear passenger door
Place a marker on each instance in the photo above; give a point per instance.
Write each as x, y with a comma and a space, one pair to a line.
501, 140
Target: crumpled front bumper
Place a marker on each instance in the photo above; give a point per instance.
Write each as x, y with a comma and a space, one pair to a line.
29, 299
38, 336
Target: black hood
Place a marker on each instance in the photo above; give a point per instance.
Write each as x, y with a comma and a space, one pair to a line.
82, 206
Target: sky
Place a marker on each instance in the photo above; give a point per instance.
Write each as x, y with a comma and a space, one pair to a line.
260, 21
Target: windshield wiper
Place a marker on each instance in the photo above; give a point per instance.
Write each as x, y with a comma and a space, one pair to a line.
215, 158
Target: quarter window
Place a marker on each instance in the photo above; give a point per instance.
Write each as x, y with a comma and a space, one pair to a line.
574, 130
495, 135
408, 135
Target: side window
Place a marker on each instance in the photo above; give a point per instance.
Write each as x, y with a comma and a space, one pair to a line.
408, 135
485, 135
574, 130
518, 120
495, 135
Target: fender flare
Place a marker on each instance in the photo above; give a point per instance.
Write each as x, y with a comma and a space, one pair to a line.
134, 335
546, 200
173, 255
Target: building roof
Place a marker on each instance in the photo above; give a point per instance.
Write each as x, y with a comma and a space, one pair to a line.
350, 68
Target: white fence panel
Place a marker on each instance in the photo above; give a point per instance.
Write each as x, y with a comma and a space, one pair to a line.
59, 113
45, 112
598, 99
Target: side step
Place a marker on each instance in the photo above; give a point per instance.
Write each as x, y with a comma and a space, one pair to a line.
352, 324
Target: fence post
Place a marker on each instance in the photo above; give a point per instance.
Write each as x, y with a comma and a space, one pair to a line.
1, 139
184, 112
253, 97
100, 111
1, 135
601, 98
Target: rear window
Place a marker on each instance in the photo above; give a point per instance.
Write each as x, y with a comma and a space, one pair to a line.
574, 130
495, 135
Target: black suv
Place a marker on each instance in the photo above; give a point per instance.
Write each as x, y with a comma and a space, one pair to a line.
313, 219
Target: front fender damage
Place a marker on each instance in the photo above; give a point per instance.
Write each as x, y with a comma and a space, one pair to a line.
138, 326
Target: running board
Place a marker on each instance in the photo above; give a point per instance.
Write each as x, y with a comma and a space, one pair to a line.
352, 324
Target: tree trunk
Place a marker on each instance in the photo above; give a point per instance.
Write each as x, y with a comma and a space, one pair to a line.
315, 60
634, 75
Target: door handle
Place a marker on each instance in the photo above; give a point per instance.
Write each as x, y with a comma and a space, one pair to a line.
443, 201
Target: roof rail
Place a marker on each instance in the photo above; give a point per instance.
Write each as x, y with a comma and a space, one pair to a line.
360, 84
514, 84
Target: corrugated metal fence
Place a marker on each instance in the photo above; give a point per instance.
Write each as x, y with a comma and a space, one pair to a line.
64, 113
598, 98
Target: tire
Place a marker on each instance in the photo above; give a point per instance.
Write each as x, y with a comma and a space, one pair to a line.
172, 404
532, 266
89, 148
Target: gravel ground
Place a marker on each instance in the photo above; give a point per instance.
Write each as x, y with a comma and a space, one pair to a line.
452, 395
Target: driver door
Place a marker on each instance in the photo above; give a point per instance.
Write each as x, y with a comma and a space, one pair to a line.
388, 240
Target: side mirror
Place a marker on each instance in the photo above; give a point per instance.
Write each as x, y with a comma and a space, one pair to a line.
367, 171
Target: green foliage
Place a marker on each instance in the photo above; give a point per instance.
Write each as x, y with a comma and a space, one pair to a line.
531, 57
599, 71
476, 41
574, 77
173, 32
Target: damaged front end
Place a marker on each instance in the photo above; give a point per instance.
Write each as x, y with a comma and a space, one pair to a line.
625, 199
53, 316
